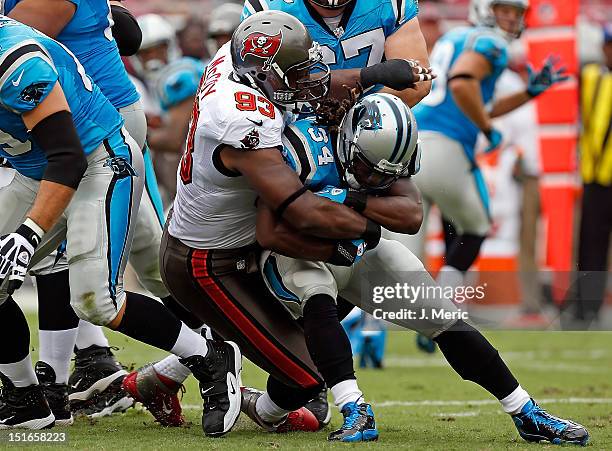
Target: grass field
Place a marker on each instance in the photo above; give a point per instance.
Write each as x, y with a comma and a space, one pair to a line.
420, 403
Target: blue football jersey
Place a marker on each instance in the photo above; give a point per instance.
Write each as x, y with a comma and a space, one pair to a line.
309, 150
88, 35
178, 81
30, 66
438, 111
359, 39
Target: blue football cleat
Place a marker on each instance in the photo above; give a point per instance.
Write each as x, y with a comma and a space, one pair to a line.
359, 424
425, 344
534, 424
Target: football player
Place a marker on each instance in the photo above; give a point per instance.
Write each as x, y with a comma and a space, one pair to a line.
232, 156
82, 185
364, 42
376, 151
468, 61
83, 25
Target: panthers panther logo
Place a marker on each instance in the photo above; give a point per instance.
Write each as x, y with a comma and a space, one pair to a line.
33, 93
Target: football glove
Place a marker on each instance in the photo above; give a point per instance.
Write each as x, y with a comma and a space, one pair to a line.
16, 251
540, 81
398, 74
494, 137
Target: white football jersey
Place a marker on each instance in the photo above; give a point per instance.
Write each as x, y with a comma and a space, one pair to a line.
214, 208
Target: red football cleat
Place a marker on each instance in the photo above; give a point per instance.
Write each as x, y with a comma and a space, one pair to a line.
301, 419
157, 393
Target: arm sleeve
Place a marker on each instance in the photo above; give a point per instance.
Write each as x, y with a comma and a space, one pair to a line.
28, 80
126, 31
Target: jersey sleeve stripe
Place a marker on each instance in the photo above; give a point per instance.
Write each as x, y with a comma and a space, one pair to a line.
16, 56
299, 147
256, 5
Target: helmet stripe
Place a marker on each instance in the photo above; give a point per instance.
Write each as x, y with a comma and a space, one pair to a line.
400, 127
411, 135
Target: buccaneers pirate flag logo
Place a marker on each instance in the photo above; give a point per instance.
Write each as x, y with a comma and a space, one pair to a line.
262, 46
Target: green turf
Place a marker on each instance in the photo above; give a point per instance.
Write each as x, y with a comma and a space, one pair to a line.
553, 366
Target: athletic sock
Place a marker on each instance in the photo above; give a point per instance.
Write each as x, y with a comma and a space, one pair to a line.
475, 359
15, 360
514, 402
89, 335
56, 348
149, 321
57, 323
171, 368
326, 340
345, 392
268, 410
182, 313
449, 276
20, 373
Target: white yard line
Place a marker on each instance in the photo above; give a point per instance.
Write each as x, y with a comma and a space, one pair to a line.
469, 402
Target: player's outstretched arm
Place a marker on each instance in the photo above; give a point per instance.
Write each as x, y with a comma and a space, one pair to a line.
464, 84
399, 210
280, 187
48, 16
66, 162
408, 43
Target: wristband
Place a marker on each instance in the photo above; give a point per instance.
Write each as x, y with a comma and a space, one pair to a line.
31, 232
372, 234
342, 255
356, 200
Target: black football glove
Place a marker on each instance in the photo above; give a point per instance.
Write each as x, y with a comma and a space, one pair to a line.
397, 74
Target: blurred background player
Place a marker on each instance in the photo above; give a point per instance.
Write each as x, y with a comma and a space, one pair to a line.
469, 60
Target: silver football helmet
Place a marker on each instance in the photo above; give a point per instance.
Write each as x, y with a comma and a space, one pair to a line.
378, 142
481, 13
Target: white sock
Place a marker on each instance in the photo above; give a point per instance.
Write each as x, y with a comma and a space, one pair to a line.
345, 392
189, 343
514, 402
449, 276
56, 348
172, 368
268, 410
89, 335
21, 373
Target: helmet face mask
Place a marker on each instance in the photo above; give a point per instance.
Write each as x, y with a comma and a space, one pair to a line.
274, 53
